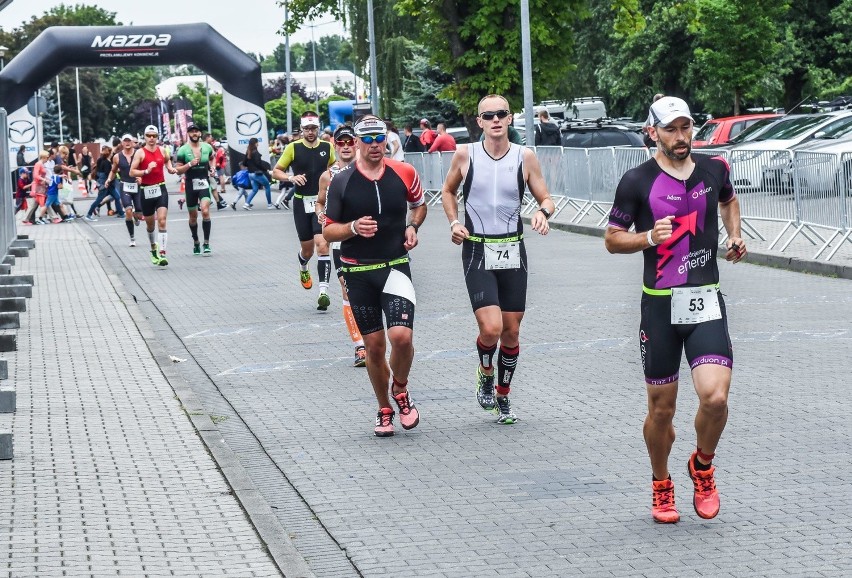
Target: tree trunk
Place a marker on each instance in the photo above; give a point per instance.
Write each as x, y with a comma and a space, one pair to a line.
793, 83
461, 74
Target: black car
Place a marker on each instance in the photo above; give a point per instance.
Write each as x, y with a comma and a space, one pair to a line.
603, 133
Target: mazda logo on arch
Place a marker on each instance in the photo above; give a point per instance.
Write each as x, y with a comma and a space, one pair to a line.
21, 132
249, 124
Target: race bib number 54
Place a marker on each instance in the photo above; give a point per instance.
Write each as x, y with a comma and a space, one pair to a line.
695, 305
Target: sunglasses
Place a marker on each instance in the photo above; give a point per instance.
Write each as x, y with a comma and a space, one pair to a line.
347, 142
151, 135
489, 115
369, 139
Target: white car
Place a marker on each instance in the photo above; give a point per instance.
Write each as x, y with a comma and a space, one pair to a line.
754, 164
822, 165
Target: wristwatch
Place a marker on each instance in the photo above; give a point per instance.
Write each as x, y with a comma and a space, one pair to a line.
416, 226
545, 211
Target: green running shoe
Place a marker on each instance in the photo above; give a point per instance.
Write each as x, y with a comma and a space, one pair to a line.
196, 249
207, 250
323, 301
155, 255
163, 261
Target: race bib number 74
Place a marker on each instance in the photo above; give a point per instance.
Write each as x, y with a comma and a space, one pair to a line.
502, 255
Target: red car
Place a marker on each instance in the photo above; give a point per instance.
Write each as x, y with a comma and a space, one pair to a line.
720, 130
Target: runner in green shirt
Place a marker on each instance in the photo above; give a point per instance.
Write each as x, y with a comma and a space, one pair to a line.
195, 160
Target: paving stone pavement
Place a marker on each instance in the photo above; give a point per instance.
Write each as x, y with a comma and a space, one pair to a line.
565, 491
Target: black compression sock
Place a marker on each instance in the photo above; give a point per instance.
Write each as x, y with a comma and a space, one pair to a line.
205, 227
193, 228
699, 466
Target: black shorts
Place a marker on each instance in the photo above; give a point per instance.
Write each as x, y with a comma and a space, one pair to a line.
307, 224
131, 199
150, 206
661, 343
387, 290
505, 288
193, 197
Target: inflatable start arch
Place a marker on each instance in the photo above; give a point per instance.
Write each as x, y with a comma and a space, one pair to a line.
63, 47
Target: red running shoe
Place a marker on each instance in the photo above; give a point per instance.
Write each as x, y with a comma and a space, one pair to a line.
409, 417
706, 498
384, 422
663, 507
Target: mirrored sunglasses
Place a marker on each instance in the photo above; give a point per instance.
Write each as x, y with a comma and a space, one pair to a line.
380, 138
346, 142
489, 115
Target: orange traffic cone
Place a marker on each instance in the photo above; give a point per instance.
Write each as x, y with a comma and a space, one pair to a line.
182, 185
81, 188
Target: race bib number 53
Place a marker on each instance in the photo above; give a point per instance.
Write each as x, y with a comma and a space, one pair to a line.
695, 305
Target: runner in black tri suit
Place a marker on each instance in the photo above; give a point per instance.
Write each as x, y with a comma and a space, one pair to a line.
673, 200
148, 164
344, 147
130, 187
309, 157
375, 207
495, 173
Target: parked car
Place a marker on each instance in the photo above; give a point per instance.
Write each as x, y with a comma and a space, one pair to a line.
818, 172
603, 133
747, 135
749, 160
459, 133
719, 131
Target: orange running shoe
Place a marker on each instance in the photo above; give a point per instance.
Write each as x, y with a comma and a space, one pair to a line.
384, 422
663, 508
706, 498
305, 278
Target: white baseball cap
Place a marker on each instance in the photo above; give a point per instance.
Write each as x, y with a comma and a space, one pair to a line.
151, 129
667, 110
370, 125
127, 137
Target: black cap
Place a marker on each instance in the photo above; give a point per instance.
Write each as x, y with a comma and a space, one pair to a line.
192, 126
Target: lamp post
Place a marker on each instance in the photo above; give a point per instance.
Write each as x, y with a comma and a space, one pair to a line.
316, 86
371, 32
79, 116
3, 50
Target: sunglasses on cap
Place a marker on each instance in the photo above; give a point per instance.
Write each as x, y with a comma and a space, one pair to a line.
489, 115
345, 142
369, 139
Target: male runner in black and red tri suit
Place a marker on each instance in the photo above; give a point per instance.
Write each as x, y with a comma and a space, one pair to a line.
673, 200
375, 207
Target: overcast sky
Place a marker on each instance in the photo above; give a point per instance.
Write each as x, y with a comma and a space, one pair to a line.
254, 32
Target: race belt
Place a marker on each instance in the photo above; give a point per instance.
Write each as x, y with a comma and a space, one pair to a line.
513, 239
668, 292
374, 266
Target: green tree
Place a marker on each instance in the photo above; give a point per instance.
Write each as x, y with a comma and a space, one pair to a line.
737, 43
197, 98
276, 112
420, 96
124, 89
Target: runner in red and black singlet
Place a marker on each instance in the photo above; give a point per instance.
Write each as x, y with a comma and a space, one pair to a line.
148, 164
375, 207
673, 200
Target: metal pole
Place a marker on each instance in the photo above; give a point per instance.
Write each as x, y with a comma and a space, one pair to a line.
287, 71
79, 115
38, 124
374, 92
207, 82
526, 62
59, 106
316, 86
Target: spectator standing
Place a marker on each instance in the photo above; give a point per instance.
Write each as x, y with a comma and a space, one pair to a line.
412, 143
646, 137
394, 143
444, 142
22, 190
83, 162
427, 137
546, 132
21, 160
103, 167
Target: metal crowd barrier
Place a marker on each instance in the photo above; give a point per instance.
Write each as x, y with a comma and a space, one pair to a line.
805, 194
